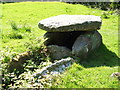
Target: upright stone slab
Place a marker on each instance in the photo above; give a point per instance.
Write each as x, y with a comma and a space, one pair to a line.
67, 23
86, 43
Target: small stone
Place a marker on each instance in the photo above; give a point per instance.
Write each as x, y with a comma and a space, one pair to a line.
54, 72
116, 74
63, 66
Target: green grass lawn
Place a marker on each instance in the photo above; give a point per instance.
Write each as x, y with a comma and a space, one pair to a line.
92, 73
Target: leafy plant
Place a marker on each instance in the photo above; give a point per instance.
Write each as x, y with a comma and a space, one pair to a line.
15, 35
38, 54
105, 15
14, 26
7, 77
18, 31
38, 49
22, 27
6, 55
26, 28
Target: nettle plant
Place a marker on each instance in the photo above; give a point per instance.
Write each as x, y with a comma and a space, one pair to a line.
18, 30
37, 50
16, 27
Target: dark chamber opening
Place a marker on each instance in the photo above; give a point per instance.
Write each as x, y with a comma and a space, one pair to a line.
65, 39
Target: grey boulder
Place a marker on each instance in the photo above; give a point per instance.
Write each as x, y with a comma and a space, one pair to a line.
67, 23
86, 43
58, 52
96, 40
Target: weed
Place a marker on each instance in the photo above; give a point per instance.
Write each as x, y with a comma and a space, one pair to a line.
14, 26
26, 28
38, 54
18, 31
22, 27
105, 15
15, 35
7, 55
38, 50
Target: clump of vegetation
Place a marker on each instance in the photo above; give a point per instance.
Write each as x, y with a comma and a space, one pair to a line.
38, 50
15, 35
100, 5
14, 65
105, 15
106, 6
23, 27
6, 56
18, 31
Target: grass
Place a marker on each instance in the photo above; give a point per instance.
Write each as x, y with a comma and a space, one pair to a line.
34, 12
19, 25
95, 72
96, 77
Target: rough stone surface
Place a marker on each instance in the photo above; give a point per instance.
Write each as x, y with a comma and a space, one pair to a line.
55, 68
86, 43
61, 38
81, 46
58, 52
96, 40
66, 23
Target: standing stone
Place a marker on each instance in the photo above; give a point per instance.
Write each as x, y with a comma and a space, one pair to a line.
86, 43
67, 23
82, 46
96, 40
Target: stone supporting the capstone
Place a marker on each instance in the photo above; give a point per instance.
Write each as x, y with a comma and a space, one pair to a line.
86, 43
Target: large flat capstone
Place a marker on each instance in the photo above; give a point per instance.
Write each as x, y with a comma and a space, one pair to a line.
66, 23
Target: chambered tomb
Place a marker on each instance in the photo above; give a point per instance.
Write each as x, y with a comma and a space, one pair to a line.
69, 35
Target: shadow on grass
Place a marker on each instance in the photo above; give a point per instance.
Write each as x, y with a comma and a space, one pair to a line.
101, 57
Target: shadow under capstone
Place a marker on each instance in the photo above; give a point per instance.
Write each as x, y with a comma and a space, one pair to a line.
65, 39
